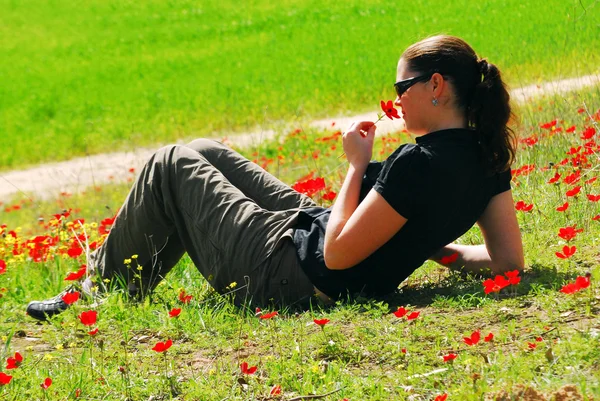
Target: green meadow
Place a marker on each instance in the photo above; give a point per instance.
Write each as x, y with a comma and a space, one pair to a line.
85, 77
543, 344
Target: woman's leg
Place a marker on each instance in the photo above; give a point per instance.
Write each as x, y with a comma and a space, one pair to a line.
181, 202
256, 183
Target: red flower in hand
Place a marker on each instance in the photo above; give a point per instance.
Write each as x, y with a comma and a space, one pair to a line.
162, 347
247, 370
14, 362
389, 109
88, 318
474, 339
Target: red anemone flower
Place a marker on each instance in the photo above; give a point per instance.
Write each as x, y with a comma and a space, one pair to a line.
488, 338
47, 383
473, 339
93, 332
76, 275
321, 322
580, 283
88, 318
4, 379
174, 312
389, 109
593, 198
2, 266
184, 298
275, 390
14, 362
523, 207
269, 315
441, 397
574, 191
247, 370
567, 252
162, 347
71, 297
413, 315
554, 179
562, 208
401, 312
450, 357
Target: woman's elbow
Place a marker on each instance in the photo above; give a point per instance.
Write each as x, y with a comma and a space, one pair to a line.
333, 261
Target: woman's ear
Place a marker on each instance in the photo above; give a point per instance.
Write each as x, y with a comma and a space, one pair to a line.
437, 84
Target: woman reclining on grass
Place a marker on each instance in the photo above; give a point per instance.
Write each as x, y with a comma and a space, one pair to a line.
240, 224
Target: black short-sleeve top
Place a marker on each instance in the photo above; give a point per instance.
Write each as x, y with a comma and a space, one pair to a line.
440, 185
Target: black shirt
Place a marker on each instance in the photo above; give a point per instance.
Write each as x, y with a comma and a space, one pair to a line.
439, 185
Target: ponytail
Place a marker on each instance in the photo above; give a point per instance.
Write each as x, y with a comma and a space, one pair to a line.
489, 113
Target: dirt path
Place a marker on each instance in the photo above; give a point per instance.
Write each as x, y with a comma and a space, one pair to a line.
47, 181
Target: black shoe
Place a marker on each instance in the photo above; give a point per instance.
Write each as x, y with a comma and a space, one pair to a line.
42, 310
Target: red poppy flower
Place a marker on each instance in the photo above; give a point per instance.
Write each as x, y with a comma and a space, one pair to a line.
162, 347
567, 252
593, 198
446, 260
2, 266
441, 397
562, 208
400, 312
269, 315
184, 298
573, 178
247, 370
174, 312
473, 339
310, 186
329, 196
574, 191
47, 383
523, 207
76, 275
488, 338
93, 332
580, 283
532, 345
554, 179
321, 322
88, 318
569, 232
596, 217
591, 180
71, 297
495, 285
413, 315
588, 133
14, 362
450, 357
4, 379
548, 125
389, 109
275, 390
570, 129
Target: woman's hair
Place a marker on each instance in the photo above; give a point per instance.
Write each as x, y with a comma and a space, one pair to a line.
479, 90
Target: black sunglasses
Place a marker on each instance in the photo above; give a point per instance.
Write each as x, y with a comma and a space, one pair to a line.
402, 86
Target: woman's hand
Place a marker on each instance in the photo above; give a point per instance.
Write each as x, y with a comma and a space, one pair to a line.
358, 143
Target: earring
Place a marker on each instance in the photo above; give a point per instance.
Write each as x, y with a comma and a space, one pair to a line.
434, 102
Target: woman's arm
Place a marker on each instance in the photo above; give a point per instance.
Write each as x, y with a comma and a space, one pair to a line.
503, 249
354, 230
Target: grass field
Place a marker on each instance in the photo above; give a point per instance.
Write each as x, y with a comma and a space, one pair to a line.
95, 76
545, 342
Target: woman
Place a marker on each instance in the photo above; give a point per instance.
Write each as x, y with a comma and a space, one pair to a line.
241, 225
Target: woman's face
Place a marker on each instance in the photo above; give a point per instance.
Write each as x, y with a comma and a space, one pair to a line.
415, 102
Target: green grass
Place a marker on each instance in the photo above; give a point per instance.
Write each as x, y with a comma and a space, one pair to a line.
360, 351
80, 78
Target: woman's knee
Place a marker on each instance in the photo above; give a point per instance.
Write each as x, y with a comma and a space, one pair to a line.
206, 147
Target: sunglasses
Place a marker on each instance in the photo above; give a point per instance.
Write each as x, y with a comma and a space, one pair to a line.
402, 86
